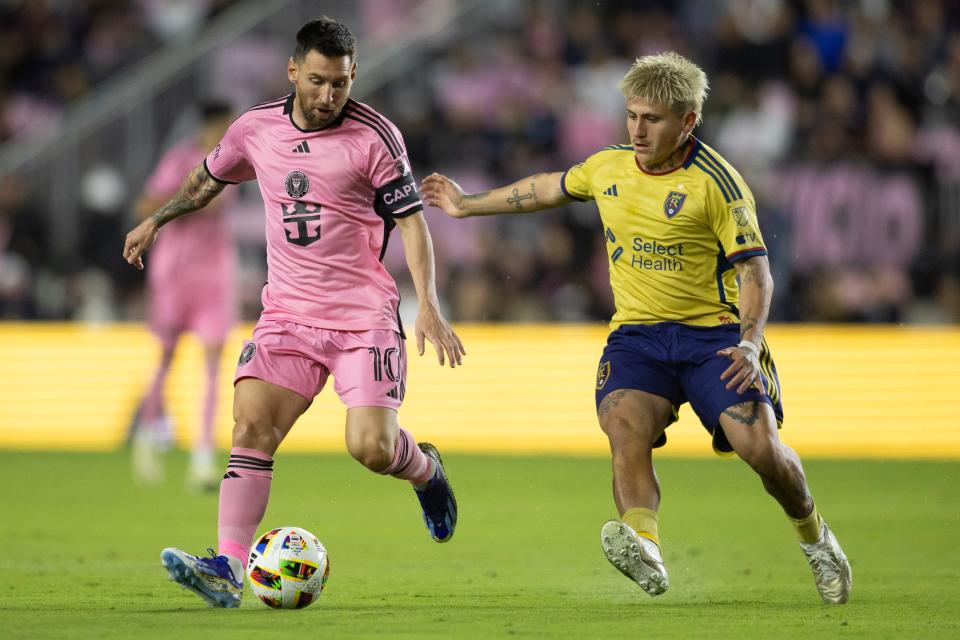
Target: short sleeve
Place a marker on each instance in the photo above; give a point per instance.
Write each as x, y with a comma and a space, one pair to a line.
396, 190
735, 223
575, 182
227, 163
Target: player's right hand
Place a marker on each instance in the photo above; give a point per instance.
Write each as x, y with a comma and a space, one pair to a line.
138, 241
445, 194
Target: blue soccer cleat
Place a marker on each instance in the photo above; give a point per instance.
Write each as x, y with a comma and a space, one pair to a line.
217, 579
437, 500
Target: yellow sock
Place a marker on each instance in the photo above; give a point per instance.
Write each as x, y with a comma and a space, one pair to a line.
644, 522
808, 529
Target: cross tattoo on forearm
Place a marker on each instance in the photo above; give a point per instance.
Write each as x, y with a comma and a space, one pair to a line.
517, 199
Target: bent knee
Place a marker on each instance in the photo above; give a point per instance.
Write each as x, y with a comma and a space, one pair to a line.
630, 431
373, 451
764, 455
253, 433
618, 425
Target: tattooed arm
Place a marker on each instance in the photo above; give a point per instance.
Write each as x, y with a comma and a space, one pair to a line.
196, 192
756, 292
535, 193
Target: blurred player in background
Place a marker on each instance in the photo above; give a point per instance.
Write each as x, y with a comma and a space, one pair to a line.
190, 287
335, 179
692, 290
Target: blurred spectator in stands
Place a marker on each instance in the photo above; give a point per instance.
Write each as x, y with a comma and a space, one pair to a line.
22, 241
845, 116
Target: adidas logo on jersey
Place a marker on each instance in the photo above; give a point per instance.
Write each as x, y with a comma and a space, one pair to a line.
611, 191
303, 147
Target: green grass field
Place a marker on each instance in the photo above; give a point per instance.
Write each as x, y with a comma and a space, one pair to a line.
81, 553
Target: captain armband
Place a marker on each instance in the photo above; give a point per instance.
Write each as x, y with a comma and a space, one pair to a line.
398, 199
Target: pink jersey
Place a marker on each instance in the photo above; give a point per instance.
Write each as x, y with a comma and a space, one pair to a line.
199, 243
331, 197
192, 264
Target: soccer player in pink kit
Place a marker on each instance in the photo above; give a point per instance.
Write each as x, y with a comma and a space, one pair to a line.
335, 180
190, 287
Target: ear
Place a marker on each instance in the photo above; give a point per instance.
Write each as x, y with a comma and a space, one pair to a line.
292, 68
689, 122
353, 71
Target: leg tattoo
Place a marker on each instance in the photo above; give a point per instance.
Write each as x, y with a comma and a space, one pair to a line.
610, 402
748, 419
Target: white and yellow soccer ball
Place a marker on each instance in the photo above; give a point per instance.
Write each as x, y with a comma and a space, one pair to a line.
288, 568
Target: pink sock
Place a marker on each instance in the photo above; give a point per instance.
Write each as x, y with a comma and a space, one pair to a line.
244, 492
205, 440
409, 463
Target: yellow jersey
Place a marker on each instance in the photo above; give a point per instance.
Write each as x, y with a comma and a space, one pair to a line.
672, 238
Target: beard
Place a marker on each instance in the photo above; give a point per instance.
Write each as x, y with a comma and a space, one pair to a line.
314, 118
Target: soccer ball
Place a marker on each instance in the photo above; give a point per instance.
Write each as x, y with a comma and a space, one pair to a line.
288, 568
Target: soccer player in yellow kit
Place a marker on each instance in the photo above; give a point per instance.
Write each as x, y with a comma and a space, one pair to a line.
692, 290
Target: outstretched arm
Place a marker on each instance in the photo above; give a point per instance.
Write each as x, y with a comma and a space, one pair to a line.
197, 190
418, 248
756, 292
535, 193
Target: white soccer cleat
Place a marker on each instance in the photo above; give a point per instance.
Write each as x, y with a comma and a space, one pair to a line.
634, 556
831, 570
146, 458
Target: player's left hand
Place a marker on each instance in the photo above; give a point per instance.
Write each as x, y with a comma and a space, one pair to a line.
138, 241
744, 371
433, 327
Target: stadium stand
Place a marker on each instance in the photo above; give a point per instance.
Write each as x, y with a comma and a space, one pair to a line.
844, 117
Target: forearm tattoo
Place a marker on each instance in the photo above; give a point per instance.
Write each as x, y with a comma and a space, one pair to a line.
747, 324
753, 275
750, 418
196, 192
516, 199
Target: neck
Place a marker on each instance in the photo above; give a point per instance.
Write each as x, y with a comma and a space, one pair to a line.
299, 118
671, 162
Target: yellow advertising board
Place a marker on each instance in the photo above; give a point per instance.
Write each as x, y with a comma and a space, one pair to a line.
847, 391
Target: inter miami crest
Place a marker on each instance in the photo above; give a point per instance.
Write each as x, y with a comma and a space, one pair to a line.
603, 374
673, 203
249, 350
401, 166
297, 184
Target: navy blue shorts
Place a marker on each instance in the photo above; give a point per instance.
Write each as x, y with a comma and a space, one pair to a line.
680, 363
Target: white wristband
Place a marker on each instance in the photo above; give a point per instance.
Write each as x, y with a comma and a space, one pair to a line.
750, 346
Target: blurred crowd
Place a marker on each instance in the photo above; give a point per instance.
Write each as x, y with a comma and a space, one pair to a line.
53, 52
842, 116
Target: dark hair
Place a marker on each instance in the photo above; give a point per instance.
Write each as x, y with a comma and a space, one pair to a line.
325, 36
214, 110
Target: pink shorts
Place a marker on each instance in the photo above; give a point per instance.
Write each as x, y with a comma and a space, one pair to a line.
369, 367
205, 307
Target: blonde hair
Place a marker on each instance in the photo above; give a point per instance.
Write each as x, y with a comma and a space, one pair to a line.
670, 79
